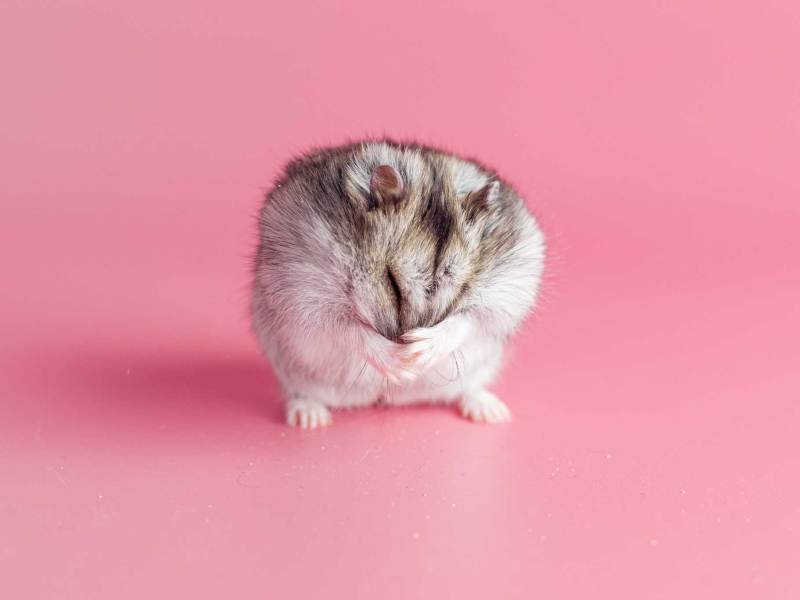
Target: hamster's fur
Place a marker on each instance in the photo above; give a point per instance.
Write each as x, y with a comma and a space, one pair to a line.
391, 273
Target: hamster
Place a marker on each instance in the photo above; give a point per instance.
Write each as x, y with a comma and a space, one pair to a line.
391, 273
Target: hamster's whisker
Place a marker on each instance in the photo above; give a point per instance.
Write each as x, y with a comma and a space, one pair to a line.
357, 377
447, 379
385, 385
459, 366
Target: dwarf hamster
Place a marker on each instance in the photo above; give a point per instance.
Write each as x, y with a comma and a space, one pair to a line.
391, 273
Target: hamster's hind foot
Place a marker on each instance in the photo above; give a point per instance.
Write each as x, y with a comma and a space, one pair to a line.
307, 414
483, 406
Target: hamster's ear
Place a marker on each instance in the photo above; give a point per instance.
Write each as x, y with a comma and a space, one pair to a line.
481, 201
386, 186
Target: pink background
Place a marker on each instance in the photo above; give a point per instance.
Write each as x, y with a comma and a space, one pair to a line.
655, 447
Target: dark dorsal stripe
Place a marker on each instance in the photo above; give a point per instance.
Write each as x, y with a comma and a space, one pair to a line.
436, 215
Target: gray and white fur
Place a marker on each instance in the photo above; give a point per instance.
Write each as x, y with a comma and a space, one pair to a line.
391, 273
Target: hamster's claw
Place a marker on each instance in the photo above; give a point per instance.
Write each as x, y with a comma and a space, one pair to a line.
420, 350
307, 414
391, 370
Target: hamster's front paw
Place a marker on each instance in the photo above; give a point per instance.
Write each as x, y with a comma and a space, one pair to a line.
383, 354
484, 407
422, 348
307, 414
419, 349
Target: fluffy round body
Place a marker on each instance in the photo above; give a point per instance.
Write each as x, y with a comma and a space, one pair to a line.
391, 273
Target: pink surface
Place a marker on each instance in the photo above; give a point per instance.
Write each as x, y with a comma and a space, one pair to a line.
655, 447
